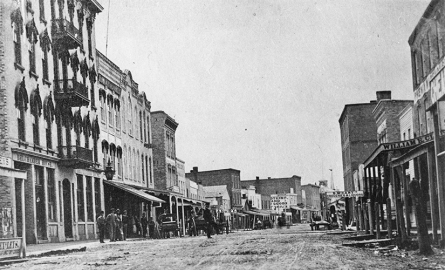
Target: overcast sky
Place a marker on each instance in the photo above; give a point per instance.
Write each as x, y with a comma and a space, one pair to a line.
259, 85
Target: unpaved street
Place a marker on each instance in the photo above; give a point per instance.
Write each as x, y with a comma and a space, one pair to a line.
293, 248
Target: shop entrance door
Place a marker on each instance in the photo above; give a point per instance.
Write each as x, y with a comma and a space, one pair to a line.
40, 203
67, 213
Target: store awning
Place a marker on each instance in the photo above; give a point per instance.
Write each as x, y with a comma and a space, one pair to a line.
297, 208
255, 213
134, 191
240, 214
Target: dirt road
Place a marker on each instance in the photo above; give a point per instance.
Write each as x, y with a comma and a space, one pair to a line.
293, 248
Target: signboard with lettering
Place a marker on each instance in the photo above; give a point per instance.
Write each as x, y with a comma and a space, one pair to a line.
11, 247
279, 202
344, 194
408, 143
32, 160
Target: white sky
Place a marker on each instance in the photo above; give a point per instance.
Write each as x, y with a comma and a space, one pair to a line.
259, 85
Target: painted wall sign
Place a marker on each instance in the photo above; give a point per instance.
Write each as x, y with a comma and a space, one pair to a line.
344, 194
32, 160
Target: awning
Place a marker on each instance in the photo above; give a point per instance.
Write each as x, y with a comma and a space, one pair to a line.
134, 191
240, 214
255, 213
297, 208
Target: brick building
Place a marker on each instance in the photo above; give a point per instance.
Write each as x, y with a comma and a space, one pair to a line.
228, 177
312, 193
358, 140
271, 186
164, 151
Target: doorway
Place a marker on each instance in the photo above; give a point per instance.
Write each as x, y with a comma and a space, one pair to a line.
67, 210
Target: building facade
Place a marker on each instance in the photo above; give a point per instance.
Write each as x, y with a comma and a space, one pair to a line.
48, 89
312, 194
269, 186
358, 140
228, 177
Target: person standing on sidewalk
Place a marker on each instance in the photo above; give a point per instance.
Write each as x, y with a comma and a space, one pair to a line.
118, 225
111, 221
101, 226
144, 223
125, 224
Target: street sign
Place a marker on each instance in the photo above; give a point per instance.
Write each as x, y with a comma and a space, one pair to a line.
344, 194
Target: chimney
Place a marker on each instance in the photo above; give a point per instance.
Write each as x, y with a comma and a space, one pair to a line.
383, 95
257, 178
195, 174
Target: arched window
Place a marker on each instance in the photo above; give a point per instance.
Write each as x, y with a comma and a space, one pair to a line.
123, 115
145, 128
124, 162
136, 128
129, 127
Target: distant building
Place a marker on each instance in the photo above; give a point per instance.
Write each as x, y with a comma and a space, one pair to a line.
312, 193
218, 196
271, 186
180, 168
229, 177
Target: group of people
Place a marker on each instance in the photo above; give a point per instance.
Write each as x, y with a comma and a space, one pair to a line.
120, 225
117, 224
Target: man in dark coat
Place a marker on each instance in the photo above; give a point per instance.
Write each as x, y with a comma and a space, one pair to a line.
144, 223
101, 226
208, 217
111, 221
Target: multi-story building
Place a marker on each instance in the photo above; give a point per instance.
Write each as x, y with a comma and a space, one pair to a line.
49, 116
358, 140
228, 177
164, 151
427, 43
125, 137
269, 186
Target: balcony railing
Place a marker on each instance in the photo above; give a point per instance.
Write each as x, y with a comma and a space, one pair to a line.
75, 156
65, 34
74, 92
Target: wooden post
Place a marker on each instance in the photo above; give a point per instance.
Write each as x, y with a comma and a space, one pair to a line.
360, 217
405, 182
371, 229
422, 229
439, 177
399, 209
377, 220
23, 219
433, 195
389, 217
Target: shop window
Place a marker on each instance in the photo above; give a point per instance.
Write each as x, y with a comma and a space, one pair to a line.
52, 214
89, 191
80, 199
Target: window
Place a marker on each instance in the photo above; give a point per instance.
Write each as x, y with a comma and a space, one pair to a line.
89, 191
149, 170
97, 195
45, 65
35, 130
52, 214
125, 156
434, 47
17, 43
49, 138
123, 116
32, 54
119, 163
42, 10
95, 154
80, 16
21, 123
89, 30
136, 132
80, 199
146, 169
103, 114
148, 129
129, 127
140, 126
118, 117
104, 154
425, 57
143, 171
110, 112
145, 130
